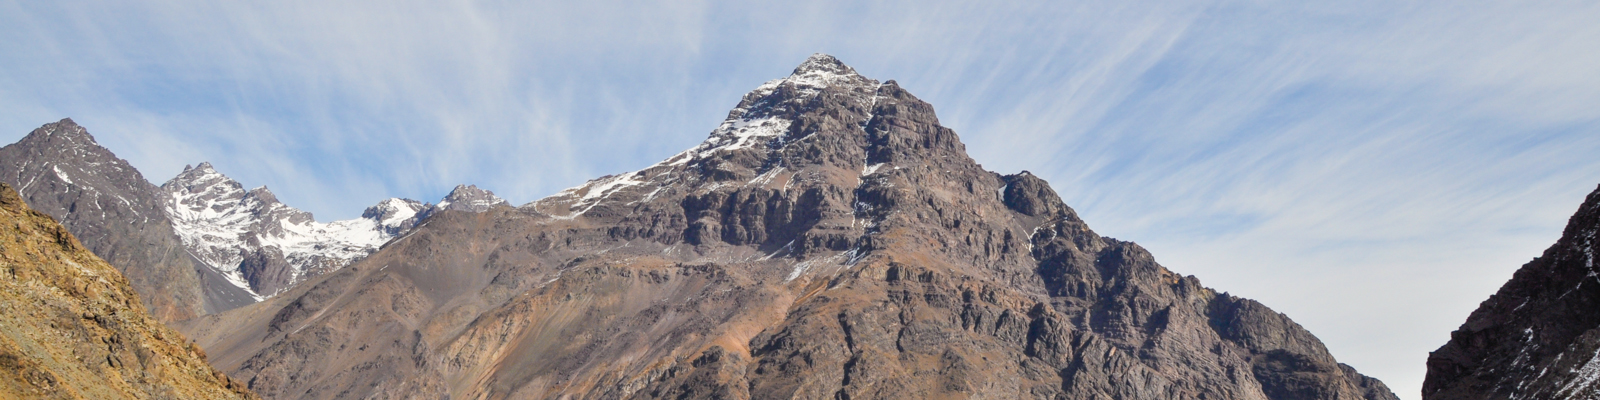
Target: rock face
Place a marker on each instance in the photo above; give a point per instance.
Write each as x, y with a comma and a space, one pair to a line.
73, 328
263, 246
1539, 336
471, 199
200, 243
829, 240
61, 171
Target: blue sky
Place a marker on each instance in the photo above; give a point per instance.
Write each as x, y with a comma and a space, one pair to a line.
1373, 169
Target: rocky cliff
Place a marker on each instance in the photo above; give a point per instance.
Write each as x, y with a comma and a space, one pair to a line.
73, 328
61, 171
830, 239
1539, 336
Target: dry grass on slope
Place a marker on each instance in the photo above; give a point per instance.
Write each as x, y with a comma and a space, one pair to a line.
72, 328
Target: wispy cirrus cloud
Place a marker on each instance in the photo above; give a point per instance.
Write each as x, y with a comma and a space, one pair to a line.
1371, 169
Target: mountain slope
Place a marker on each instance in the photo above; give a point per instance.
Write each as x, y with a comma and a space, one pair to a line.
1538, 337
828, 240
73, 328
61, 171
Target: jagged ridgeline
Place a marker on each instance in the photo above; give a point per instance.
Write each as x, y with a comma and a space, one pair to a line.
1539, 336
828, 240
200, 243
72, 328
61, 171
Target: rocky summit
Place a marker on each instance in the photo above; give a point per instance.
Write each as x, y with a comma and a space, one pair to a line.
1539, 336
73, 328
61, 171
830, 239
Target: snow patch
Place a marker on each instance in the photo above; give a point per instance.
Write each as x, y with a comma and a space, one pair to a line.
871, 169
1583, 377
61, 175
219, 222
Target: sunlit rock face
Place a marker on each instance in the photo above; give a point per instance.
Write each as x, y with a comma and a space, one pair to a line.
829, 239
73, 328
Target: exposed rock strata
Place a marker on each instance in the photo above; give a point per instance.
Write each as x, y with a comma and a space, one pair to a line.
1539, 336
72, 328
829, 240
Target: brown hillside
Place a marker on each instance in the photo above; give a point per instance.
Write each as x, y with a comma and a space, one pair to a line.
72, 328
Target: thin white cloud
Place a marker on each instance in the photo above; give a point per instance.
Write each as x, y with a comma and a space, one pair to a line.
1372, 169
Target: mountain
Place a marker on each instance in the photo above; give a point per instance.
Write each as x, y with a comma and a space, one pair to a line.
830, 239
61, 171
200, 243
263, 246
1539, 336
469, 198
73, 328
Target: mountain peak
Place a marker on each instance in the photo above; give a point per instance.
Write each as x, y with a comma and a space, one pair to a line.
66, 130
823, 63
201, 178
470, 198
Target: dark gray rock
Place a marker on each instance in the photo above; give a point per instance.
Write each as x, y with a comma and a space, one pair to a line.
60, 170
1538, 337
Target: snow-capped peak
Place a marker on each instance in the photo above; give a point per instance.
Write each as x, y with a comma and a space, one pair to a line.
470, 198
822, 70
231, 230
395, 215
763, 122
264, 246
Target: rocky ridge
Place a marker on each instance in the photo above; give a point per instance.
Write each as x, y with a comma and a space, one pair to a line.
828, 240
1538, 337
61, 171
200, 243
264, 246
72, 328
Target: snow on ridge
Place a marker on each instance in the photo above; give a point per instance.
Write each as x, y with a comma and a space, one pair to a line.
470, 198
1583, 377
399, 212
758, 121
219, 223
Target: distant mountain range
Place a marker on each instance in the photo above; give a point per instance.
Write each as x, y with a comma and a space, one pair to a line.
264, 246
200, 243
829, 239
